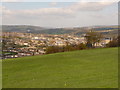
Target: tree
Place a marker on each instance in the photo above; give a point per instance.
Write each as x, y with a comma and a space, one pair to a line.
92, 38
114, 43
119, 40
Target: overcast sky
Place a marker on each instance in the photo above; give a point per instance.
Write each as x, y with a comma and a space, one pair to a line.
60, 14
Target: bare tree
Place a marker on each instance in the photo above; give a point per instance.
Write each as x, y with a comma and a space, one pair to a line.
92, 38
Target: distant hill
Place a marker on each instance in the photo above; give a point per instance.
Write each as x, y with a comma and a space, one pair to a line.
96, 68
43, 30
21, 28
34, 29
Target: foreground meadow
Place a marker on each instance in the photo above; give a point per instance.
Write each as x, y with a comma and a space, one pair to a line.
96, 68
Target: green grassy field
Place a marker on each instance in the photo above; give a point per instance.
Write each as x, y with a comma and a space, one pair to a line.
96, 68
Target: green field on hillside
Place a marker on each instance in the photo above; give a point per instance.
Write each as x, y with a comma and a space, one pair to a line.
96, 68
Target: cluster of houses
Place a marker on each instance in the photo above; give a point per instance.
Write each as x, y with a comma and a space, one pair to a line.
27, 44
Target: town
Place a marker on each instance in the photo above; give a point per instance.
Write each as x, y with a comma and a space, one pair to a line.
16, 44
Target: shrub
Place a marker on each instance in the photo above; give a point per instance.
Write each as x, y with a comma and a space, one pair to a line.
55, 49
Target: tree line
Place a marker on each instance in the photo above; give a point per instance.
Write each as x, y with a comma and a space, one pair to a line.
55, 49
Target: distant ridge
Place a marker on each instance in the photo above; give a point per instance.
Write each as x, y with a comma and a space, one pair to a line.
46, 30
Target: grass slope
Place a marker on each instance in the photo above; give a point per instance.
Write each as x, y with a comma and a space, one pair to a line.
97, 68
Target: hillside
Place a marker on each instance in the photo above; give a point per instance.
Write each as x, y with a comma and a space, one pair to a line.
75, 30
35, 29
21, 28
96, 68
